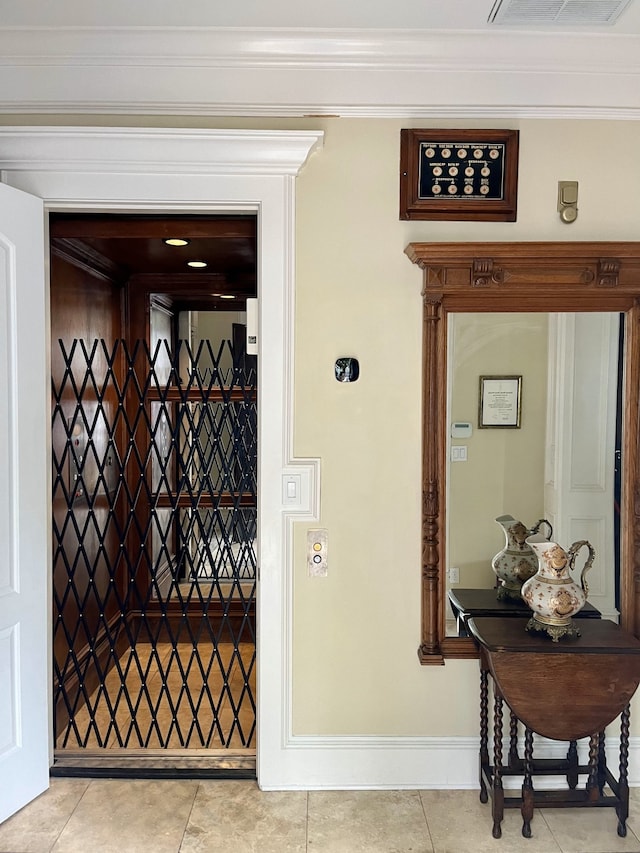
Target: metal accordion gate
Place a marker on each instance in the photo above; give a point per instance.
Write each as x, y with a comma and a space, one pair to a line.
154, 557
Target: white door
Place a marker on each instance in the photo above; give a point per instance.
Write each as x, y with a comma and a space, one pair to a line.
579, 479
24, 738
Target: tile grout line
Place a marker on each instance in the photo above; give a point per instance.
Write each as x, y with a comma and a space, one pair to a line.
541, 815
186, 825
71, 813
306, 833
426, 820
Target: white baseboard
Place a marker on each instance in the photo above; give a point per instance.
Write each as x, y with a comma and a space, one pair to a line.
314, 763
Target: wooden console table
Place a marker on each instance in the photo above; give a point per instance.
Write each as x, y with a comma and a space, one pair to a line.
563, 691
471, 603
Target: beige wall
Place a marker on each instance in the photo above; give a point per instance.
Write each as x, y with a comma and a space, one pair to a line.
356, 631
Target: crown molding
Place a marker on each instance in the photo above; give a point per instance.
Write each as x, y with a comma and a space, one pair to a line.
294, 72
156, 150
202, 47
465, 112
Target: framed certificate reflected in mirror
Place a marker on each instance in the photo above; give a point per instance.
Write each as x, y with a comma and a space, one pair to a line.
500, 402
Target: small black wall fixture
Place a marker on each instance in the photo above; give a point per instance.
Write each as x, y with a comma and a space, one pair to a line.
347, 369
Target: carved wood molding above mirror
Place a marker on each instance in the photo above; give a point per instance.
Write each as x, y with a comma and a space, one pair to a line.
522, 277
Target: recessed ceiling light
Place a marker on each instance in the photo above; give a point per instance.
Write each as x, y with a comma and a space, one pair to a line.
227, 296
197, 264
176, 241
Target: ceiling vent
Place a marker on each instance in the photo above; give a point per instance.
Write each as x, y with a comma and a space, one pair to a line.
557, 12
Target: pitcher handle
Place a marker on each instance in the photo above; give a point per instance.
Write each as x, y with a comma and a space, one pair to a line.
536, 527
573, 553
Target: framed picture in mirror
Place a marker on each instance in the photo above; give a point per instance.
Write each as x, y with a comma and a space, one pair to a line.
500, 402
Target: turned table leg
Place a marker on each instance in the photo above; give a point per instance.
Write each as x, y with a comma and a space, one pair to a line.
602, 764
592, 780
527, 784
497, 789
513, 740
572, 769
484, 731
623, 779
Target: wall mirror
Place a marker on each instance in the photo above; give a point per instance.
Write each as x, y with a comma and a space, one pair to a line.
479, 290
534, 410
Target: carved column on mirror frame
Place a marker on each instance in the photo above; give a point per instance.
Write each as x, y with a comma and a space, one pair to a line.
430, 615
430, 640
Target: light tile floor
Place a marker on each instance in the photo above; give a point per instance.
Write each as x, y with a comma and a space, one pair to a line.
190, 816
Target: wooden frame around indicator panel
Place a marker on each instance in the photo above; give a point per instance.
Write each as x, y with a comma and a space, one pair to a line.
459, 174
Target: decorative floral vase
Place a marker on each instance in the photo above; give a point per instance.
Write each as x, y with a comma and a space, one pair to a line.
516, 563
552, 593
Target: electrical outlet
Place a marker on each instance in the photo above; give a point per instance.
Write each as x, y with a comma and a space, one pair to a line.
317, 550
454, 574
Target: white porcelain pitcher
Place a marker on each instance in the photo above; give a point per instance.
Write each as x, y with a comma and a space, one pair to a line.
552, 594
516, 562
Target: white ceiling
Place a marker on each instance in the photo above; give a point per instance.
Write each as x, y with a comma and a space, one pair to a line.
333, 14
406, 58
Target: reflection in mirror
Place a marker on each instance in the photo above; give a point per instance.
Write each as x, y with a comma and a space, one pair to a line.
558, 464
204, 461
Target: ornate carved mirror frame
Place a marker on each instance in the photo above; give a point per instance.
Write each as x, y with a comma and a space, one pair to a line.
536, 277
